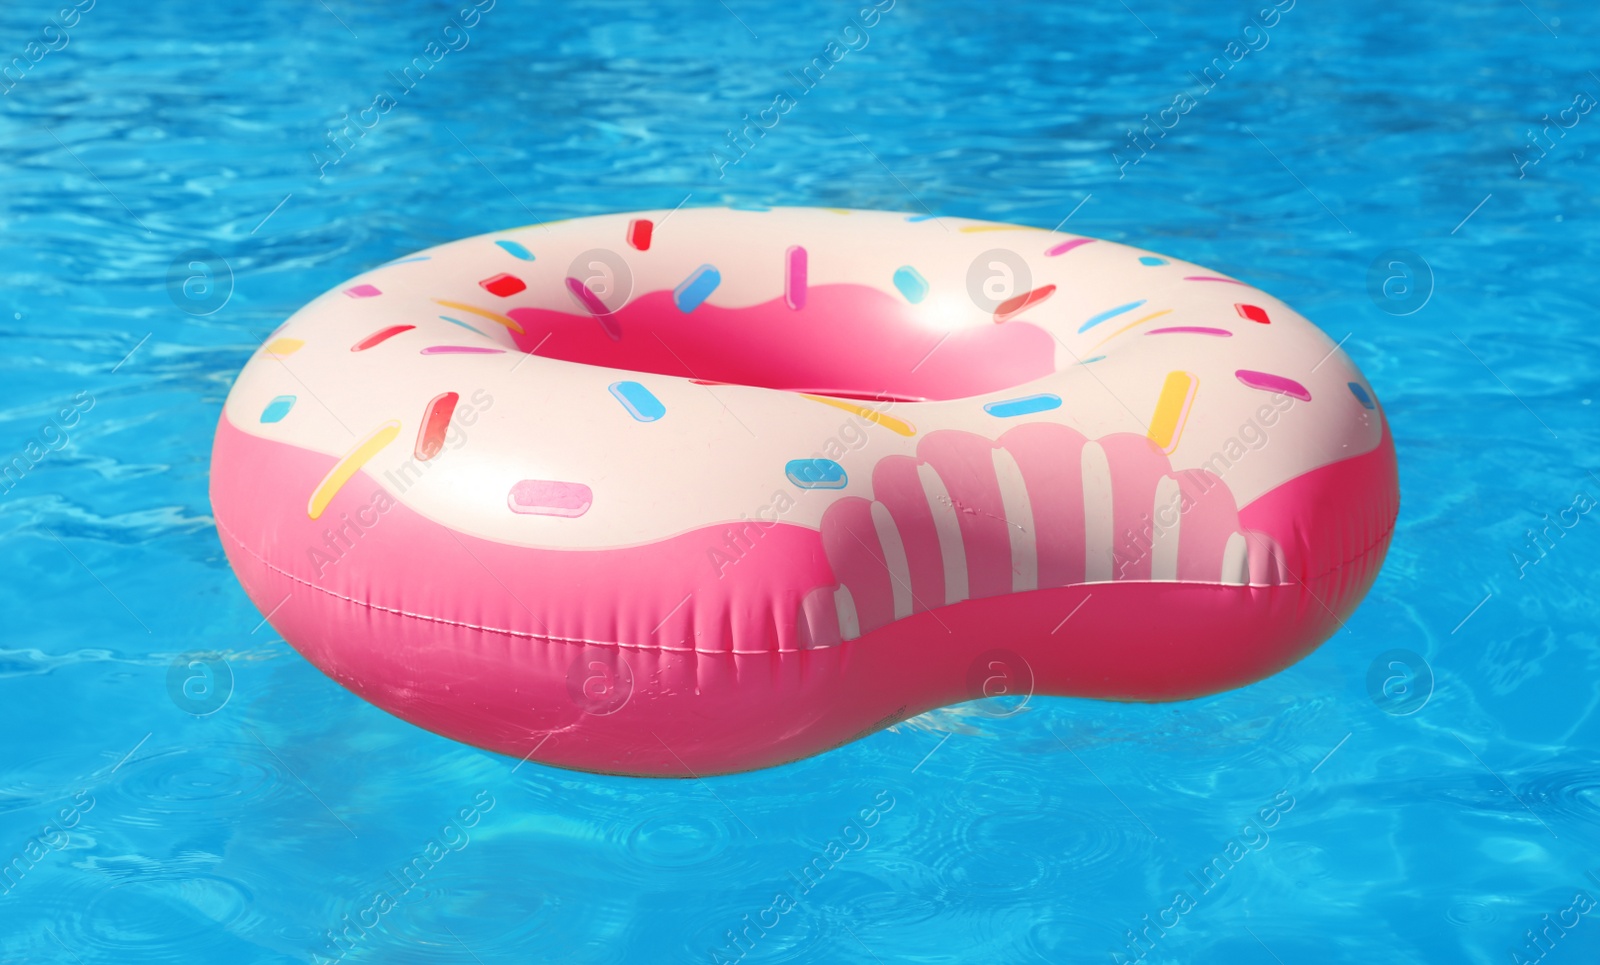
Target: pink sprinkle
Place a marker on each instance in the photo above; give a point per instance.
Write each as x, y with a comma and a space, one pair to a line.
1212, 278
1191, 330
461, 350
549, 497
1267, 382
794, 283
594, 306
362, 291
1066, 246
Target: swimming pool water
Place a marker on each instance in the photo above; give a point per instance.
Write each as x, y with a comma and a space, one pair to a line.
1420, 182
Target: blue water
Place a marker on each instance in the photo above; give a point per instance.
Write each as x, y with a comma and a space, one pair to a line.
163, 827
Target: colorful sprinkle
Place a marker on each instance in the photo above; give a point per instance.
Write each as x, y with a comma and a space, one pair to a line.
1267, 382
1151, 260
279, 347
349, 465
794, 279
919, 217
1109, 313
1191, 330
640, 402
1253, 313
639, 230
1097, 358
503, 285
462, 350
1133, 324
816, 473
435, 425
586, 298
1355, 390
696, 288
381, 335
911, 283
1172, 409
592, 304
1026, 405
457, 321
481, 313
550, 497
1066, 246
516, 249
871, 415
1017, 304
279, 407
362, 291
1212, 278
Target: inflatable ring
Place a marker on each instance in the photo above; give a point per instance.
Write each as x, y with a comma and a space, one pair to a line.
693, 492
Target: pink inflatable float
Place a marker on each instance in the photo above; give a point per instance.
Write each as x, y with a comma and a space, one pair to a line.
692, 492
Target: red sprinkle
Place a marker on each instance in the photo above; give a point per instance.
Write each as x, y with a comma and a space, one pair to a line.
381, 335
1253, 313
639, 230
503, 285
1020, 303
435, 424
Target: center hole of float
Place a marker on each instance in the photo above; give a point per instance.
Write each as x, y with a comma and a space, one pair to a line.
847, 340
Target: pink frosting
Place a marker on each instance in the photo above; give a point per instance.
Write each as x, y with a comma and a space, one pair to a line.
648, 660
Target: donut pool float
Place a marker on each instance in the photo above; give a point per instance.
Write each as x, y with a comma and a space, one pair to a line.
700, 491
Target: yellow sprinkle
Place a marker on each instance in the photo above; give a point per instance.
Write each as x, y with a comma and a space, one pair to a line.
871, 415
1172, 409
1153, 315
482, 312
284, 346
350, 465
973, 229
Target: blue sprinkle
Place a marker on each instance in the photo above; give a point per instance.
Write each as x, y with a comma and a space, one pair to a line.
1361, 395
816, 474
1095, 359
1011, 408
911, 284
640, 402
516, 250
277, 409
696, 288
919, 217
1110, 313
462, 324
1152, 260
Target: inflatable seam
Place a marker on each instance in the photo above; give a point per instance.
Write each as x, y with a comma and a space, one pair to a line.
1388, 531
582, 641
